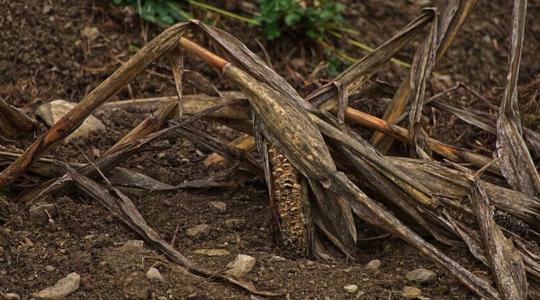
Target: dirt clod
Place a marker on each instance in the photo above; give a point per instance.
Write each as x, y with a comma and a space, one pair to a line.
41, 212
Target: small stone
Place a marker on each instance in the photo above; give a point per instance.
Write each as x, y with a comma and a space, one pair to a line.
199, 153
219, 205
350, 288
201, 229
360, 294
39, 212
154, 274
411, 292
53, 111
421, 275
134, 243
373, 265
61, 288
241, 265
234, 223
90, 32
277, 258
47, 9
424, 2
12, 296
49, 268
212, 252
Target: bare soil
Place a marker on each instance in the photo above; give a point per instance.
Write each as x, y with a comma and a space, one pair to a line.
46, 54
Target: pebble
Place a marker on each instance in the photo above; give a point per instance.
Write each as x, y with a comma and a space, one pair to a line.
234, 223
241, 265
425, 2
200, 153
360, 294
47, 9
134, 243
351, 288
90, 32
201, 229
12, 296
61, 288
154, 274
219, 205
421, 275
49, 268
277, 258
373, 265
411, 292
212, 252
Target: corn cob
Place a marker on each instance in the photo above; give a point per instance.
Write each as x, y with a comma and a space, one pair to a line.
287, 203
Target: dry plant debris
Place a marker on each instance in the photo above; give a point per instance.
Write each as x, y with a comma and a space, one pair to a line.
320, 173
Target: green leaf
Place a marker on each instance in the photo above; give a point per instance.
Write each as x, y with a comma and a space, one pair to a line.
277, 16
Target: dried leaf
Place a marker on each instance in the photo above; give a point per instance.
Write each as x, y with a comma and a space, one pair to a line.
453, 17
72, 120
505, 260
516, 163
423, 63
357, 75
177, 66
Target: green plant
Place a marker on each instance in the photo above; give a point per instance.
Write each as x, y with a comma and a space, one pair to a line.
158, 11
315, 18
335, 65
